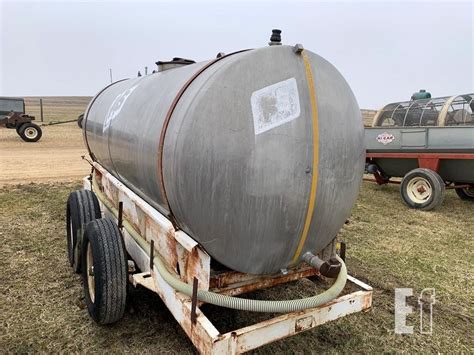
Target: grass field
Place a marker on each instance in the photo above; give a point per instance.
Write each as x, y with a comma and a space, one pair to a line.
57, 108
41, 305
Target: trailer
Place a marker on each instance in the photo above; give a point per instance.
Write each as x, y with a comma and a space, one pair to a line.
123, 219
13, 116
429, 159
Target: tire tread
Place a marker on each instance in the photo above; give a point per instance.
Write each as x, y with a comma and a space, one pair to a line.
111, 276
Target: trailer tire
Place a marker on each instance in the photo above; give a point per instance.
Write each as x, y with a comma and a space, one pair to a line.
82, 207
104, 271
30, 132
422, 189
17, 128
465, 193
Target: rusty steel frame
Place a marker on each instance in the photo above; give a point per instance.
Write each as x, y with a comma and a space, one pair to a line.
14, 119
183, 256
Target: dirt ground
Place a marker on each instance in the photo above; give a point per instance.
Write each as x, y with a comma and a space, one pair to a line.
55, 157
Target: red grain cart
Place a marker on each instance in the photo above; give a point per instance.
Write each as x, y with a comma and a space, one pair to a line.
429, 159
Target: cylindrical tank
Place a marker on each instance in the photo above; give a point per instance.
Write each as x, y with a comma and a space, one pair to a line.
257, 155
422, 94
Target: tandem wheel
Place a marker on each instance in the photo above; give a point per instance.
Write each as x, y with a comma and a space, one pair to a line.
104, 271
82, 207
422, 189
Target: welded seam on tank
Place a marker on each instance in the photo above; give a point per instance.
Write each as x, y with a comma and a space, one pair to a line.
314, 175
168, 118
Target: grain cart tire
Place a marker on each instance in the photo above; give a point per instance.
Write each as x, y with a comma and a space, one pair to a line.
466, 193
422, 189
82, 207
104, 271
30, 132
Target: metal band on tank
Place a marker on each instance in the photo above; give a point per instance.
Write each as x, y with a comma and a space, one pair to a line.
86, 114
168, 118
314, 177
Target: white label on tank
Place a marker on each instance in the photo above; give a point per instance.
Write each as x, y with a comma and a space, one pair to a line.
275, 105
116, 107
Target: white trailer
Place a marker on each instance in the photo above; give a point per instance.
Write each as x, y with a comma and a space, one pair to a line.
148, 235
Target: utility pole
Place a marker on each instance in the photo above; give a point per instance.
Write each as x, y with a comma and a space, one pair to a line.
146, 70
111, 80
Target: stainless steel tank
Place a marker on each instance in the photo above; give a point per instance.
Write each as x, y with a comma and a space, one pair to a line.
258, 155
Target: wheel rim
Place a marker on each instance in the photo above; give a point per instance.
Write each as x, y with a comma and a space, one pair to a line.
90, 273
419, 190
31, 132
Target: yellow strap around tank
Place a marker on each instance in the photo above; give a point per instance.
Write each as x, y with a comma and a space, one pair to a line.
314, 172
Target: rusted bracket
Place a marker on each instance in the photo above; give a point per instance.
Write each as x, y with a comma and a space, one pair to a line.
87, 160
91, 175
194, 301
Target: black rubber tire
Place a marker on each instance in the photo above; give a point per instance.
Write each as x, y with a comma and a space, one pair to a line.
434, 199
82, 207
17, 128
27, 127
80, 118
466, 194
110, 271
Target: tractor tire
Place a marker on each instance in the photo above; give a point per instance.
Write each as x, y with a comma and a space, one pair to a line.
466, 193
82, 207
30, 132
422, 189
105, 271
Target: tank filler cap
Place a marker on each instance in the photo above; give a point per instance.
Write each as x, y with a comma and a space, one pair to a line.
275, 39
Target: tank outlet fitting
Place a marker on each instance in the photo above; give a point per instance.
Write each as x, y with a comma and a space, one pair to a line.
328, 268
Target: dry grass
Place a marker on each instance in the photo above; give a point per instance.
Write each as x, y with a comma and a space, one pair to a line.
41, 306
57, 108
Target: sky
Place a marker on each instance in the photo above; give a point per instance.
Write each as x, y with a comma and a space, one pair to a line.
386, 50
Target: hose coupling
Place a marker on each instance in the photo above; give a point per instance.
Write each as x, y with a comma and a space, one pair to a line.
328, 268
